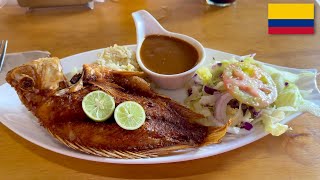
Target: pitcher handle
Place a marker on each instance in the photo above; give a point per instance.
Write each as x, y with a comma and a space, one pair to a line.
146, 25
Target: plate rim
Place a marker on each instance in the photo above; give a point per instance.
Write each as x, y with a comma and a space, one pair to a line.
157, 160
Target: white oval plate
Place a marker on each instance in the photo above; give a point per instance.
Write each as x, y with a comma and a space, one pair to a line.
17, 118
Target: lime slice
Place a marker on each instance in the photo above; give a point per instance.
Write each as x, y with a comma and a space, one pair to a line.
98, 105
129, 115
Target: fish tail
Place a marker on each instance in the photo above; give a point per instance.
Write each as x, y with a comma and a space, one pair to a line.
215, 134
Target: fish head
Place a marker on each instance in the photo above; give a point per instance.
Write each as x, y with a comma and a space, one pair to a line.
41, 75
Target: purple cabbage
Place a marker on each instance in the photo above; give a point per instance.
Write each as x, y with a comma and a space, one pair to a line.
189, 92
235, 104
247, 126
254, 112
209, 90
286, 84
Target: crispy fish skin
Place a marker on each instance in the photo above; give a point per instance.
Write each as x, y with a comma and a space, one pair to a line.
59, 109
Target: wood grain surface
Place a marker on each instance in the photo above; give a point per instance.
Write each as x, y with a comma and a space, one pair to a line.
238, 29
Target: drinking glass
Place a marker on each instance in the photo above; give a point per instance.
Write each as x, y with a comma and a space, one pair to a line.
221, 3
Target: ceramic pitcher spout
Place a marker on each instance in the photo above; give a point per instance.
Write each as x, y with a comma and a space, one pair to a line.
146, 24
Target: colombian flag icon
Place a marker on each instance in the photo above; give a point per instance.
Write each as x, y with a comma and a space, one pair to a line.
291, 18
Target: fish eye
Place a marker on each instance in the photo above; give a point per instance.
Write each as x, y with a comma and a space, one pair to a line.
27, 83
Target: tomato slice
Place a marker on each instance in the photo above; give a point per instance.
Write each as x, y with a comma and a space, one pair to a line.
249, 84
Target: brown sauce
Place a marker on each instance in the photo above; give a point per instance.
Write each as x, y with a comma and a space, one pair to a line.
168, 55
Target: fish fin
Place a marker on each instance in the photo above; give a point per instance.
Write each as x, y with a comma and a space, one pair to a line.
107, 86
135, 83
95, 72
172, 150
120, 154
128, 73
215, 134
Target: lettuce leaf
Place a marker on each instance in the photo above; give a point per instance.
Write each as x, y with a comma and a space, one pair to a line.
275, 129
288, 76
289, 96
271, 118
292, 97
204, 74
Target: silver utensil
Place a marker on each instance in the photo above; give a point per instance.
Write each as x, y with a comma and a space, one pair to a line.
3, 49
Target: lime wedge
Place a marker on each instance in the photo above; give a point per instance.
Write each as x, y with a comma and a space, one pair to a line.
129, 115
98, 105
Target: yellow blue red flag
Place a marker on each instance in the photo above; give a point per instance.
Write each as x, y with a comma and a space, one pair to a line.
291, 18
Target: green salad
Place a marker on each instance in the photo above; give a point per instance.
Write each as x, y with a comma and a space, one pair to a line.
243, 92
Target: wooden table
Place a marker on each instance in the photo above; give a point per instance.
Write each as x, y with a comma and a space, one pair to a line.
239, 29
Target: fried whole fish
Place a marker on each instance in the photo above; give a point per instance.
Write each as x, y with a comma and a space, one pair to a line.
44, 90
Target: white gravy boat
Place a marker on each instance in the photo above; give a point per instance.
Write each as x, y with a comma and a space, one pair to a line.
147, 25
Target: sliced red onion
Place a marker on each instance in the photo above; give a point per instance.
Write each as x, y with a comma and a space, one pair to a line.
219, 64
221, 107
217, 95
253, 55
247, 126
196, 79
209, 90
